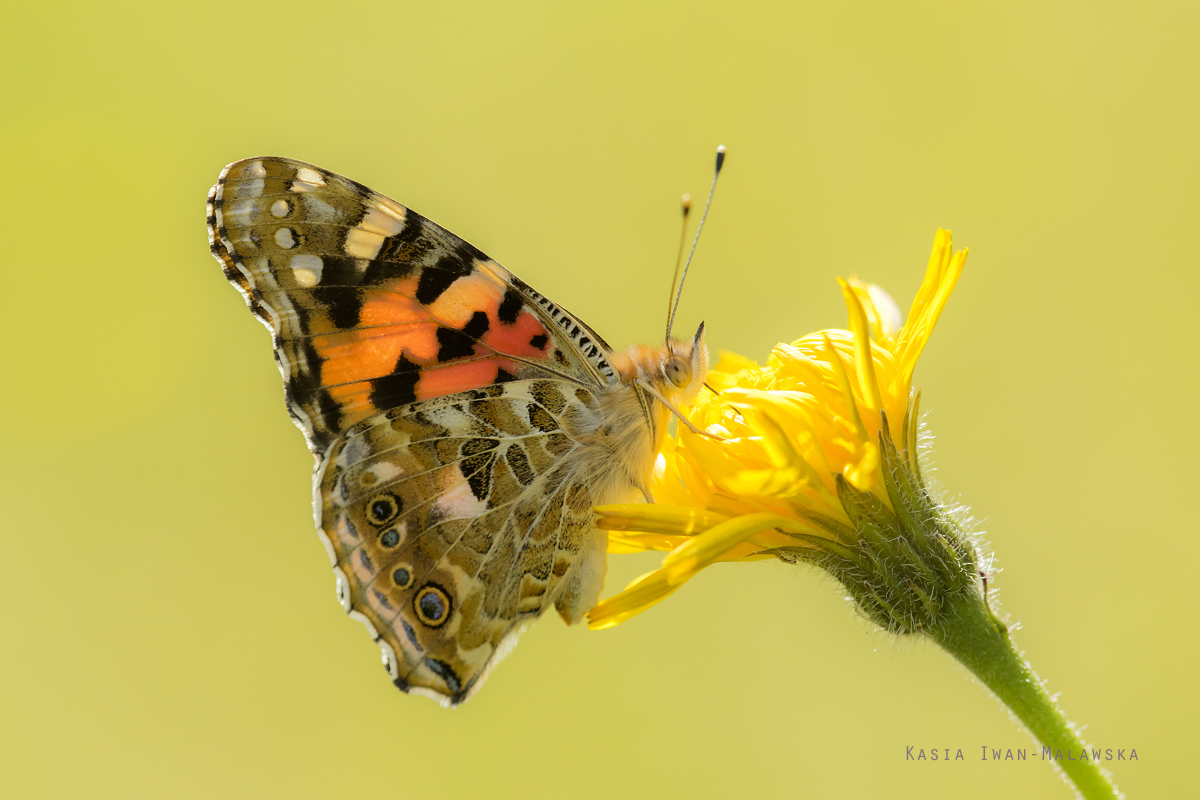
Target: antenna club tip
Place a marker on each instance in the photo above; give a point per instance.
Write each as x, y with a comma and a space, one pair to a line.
720, 156
686, 202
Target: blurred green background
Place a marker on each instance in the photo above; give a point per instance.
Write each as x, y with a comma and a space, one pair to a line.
168, 625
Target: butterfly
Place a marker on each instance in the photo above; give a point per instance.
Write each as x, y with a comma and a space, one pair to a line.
463, 425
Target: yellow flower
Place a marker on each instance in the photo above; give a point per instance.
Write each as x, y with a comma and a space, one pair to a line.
808, 460
813, 458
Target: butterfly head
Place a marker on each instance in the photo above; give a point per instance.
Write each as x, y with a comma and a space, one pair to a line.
683, 369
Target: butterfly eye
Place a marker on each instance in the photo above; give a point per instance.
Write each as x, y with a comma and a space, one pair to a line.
382, 509
402, 576
678, 371
432, 605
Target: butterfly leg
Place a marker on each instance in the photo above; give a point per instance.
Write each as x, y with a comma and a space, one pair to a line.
679, 414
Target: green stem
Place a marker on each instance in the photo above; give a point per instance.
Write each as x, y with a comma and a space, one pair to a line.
980, 642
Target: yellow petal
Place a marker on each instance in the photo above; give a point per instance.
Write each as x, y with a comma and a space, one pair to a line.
678, 567
697, 553
646, 591
620, 547
748, 472
725, 373
941, 276
843, 380
864, 453
655, 518
864, 364
942, 247
622, 542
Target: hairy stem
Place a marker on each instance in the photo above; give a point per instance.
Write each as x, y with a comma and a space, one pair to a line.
980, 642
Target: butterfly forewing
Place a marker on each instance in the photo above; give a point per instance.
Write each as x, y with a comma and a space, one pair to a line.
373, 306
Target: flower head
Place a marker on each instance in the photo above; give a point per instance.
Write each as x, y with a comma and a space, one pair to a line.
811, 457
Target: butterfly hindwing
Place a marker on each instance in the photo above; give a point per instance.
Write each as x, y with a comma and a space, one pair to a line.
454, 522
373, 306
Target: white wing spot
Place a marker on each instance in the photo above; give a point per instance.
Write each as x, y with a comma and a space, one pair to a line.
255, 169
460, 503
280, 208
389, 659
284, 238
382, 472
383, 220
307, 180
307, 269
365, 239
343, 588
362, 244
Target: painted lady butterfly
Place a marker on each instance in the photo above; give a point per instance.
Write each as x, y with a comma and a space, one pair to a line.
463, 424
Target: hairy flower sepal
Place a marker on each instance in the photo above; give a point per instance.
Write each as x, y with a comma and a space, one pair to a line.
903, 561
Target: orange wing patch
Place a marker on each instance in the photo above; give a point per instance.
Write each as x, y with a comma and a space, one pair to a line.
463, 376
525, 338
458, 303
455, 343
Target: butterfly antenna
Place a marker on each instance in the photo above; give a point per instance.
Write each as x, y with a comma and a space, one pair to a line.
686, 202
704, 216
